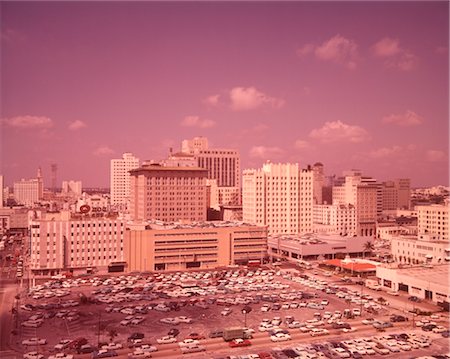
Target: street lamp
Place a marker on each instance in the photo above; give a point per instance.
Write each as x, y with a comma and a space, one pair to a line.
245, 311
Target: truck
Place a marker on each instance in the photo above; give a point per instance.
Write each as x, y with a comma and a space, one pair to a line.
236, 333
373, 284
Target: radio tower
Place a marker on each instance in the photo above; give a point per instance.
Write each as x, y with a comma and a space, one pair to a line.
54, 168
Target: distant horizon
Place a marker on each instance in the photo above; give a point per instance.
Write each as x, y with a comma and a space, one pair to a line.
350, 84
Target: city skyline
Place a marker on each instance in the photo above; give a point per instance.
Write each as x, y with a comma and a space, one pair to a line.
351, 85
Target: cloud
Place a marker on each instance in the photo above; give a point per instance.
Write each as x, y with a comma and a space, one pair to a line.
435, 156
212, 100
103, 151
407, 119
384, 152
196, 121
28, 122
301, 144
395, 56
76, 125
249, 98
337, 49
264, 152
337, 131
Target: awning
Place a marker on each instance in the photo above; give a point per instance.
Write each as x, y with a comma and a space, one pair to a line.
429, 256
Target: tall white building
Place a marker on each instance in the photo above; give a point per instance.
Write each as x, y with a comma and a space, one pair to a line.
223, 165
433, 221
28, 192
72, 188
279, 196
1, 192
120, 179
339, 219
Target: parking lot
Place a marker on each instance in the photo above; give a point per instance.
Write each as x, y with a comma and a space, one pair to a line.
197, 305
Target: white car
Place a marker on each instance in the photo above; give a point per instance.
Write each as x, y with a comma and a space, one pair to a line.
174, 321
189, 343
318, 331
280, 337
166, 340
112, 346
139, 354
226, 311
148, 348
439, 329
183, 319
63, 343
34, 341
32, 323
33, 355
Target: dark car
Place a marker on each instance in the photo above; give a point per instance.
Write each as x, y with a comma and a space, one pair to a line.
341, 325
86, 348
216, 334
428, 327
356, 355
398, 318
446, 334
413, 298
136, 336
290, 353
173, 332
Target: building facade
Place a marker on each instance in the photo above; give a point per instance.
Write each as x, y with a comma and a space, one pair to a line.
420, 250
222, 165
75, 244
433, 220
396, 194
120, 179
279, 196
339, 219
28, 192
168, 193
162, 247
73, 188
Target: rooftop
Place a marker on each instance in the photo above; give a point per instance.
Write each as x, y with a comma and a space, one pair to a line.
157, 167
178, 225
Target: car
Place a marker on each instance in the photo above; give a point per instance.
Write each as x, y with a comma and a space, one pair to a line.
239, 343
104, 353
148, 348
34, 341
398, 318
112, 346
392, 346
183, 319
280, 337
226, 311
446, 334
173, 332
192, 349
413, 298
368, 321
381, 325
216, 334
429, 327
139, 354
349, 330
136, 335
78, 342
61, 356
318, 331
166, 340
33, 355
63, 343
86, 348
188, 342
32, 323
195, 336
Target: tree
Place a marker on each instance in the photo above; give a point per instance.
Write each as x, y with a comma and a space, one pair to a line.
368, 247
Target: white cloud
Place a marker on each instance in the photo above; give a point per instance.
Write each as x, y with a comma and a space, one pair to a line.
305, 50
337, 131
76, 125
435, 156
103, 151
196, 121
212, 100
395, 56
409, 118
264, 152
384, 152
28, 122
249, 98
301, 144
339, 50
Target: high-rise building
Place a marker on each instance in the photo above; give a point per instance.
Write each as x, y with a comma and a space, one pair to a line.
396, 194
319, 181
279, 196
72, 188
365, 194
339, 219
120, 179
28, 192
168, 193
1, 192
223, 165
433, 221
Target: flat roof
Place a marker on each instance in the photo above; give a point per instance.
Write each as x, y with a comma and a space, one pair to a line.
354, 266
151, 168
212, 224
438, 274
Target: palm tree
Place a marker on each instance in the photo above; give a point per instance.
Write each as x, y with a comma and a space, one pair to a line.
368, 247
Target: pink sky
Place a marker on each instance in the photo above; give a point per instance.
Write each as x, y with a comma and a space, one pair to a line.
350, 84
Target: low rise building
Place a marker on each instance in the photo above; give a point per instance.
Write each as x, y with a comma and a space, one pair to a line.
422, 249
162, 246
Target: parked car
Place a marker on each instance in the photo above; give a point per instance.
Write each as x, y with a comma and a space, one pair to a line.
239, 343
34, 341
61, 356
413, 298
104, 353
136, 335
173, 332
166, 340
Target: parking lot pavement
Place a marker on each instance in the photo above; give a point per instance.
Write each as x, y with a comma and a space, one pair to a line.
101, 309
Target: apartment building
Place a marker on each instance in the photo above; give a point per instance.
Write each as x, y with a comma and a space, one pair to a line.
168, 193
163, 246
279, 196
120, 179
62, 243
422, 249
339, 219
222, 165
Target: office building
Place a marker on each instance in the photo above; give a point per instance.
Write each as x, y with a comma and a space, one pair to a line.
29, 192
319, 182
120, 180
222, 165
396, 194
279, 196
72, 188
339, 219
163, 246
78, 244
433, 221
2, 200
168, 193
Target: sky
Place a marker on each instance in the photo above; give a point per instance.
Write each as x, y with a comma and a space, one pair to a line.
353, 85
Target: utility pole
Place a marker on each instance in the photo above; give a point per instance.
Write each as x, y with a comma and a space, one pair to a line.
98, 331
